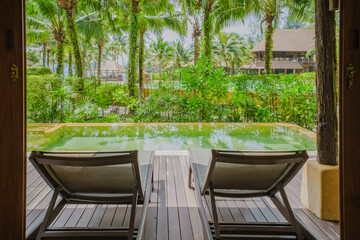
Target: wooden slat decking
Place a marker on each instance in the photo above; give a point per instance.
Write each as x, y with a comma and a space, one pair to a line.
173, 211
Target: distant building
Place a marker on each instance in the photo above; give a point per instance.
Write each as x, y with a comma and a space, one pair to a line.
289, 52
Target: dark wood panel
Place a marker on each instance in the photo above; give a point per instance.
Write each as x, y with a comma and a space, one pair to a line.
349, 121
12, 123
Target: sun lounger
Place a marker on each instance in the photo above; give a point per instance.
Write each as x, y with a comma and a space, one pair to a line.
95, 178
246, 174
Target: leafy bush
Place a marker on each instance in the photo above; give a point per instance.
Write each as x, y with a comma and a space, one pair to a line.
276, 98
38, 71
205, 90
206, 95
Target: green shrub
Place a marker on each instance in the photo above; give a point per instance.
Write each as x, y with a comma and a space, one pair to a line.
276, 98
207, 95
38, 71
206, 90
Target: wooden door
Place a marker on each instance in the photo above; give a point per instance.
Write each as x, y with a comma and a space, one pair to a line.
12, 124
350, 119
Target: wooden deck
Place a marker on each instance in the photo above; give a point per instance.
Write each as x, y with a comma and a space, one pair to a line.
173, 211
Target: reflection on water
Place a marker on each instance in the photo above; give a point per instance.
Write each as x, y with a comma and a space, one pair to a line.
172, 137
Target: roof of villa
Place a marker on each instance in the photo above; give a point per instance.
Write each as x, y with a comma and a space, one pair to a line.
290, 40
112, 66
275, 65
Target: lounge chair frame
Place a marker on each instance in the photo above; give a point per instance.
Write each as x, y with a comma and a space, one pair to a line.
138, 196
216, 230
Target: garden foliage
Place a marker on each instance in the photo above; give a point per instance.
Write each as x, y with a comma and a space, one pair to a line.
206, 95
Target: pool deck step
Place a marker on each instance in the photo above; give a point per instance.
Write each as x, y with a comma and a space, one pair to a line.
173, 211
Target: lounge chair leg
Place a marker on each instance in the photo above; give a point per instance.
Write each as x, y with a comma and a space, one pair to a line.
190, 174
133, 213
286, 210
48, 217
213, 208
291, 214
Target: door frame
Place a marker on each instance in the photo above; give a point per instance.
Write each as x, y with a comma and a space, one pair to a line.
13, 126
12, 119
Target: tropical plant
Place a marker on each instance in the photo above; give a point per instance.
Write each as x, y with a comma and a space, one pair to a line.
46, 18
205, 88
271, 10
228, 47
159, 51
69, 7
180, 54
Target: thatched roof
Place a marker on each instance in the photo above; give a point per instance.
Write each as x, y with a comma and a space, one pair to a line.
29, 63
275, 65
290, 40
112, 66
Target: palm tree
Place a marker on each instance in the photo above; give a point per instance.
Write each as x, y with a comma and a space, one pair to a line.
154, 19
118, 47
133, 38
229, 47
145, 15
159, 51
207, 27
272, 10
69, 7
50, 20
180, 54
193, 9
196, 35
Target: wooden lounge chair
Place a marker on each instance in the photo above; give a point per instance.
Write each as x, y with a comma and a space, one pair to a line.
246, 174
98, 178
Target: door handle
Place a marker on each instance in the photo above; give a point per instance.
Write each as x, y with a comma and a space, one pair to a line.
14, 72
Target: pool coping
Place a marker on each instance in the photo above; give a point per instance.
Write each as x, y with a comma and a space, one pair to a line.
54, 126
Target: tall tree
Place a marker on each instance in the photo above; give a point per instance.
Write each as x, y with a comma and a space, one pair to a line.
228, 48
69, 7
327, 133
207, 27
180, 54
155, 19
159, 51
133, 38
271, 9
48, 19
193, 9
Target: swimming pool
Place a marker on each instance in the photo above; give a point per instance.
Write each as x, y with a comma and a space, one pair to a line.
172, 136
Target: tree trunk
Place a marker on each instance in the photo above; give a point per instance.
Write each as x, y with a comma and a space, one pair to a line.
268, 45
133, 35
207, 28
69, 7
44, 54
226, 65
70, 64
60, 58
141, 60
327, 133
99, 62
122, 59
196, 35
232, 73
84, 62
48, 58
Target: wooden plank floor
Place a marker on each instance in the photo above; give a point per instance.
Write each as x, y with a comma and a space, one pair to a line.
173, 211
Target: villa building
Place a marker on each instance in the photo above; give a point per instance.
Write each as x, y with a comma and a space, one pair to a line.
289, 53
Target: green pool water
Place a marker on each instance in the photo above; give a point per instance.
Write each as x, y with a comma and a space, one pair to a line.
171, 137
